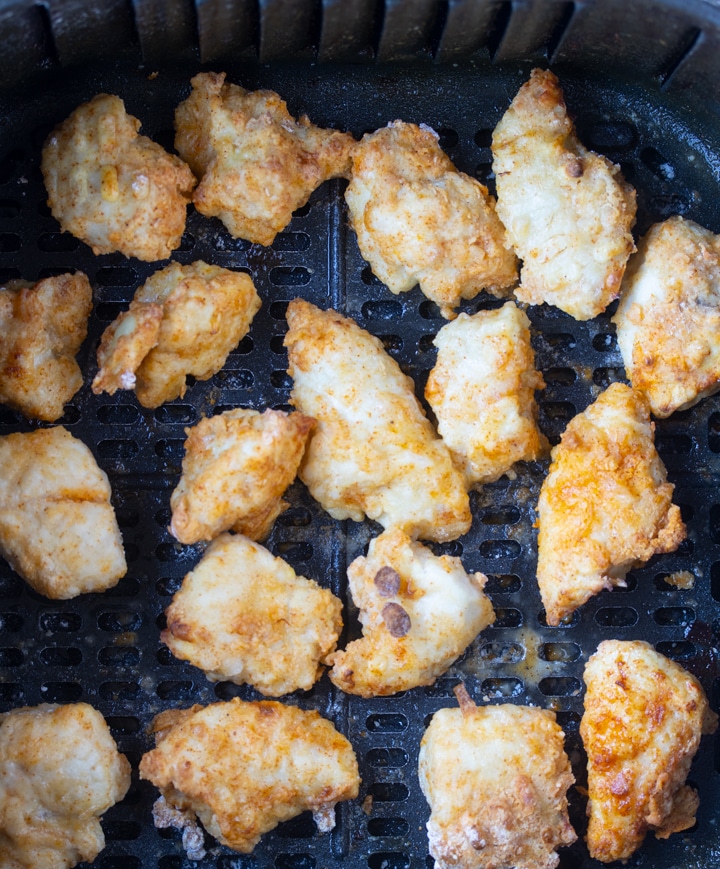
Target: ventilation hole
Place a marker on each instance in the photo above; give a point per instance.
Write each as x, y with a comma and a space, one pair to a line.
223, 241
161, 622
119, 622
10, 165
678, 651
608, 135
300, 827
170, 449
127, 517
176, 413
603, 377
243, 379
61, 692
448, 137
56, 242
674, 616
11, 586
122, 831
277, 345
387, 827
563, 340
55, 623
165, 657
561, 653
123, 724
119, 692
616, 617
658, 164
119, 656
569, 721
560, 376
117, 414
10, 242
497, 549
503, 583
58, 656
675, 444
507, 617
389, 860
295, 551
169, 585
484, 172
278, 310
280, 379
429, 310
668, 205
106, 312
116, 276
11, 657
167, 552
392, 343
387, 758
71, 415
497, 689
501, 653
441, 688
483, 138
389, 792
163, 517
385, 309
9, 209
118, 449
295, 861
368, 277
560, 686
560, 411
425, 344
568, 621
10, 692
228, 690
453, 548
500, 516
386, 723
291, 241
176, 691
290, 276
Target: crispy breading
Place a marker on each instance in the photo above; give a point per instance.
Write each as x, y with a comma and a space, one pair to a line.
568, 211
482, 392
257, 164
237, 466
184, 320
668, 319
373, 452
42, 327
643, 719
57, 526
244, 615
112, 188
243, 767
420, 221
60, 770
605, 505
419, 612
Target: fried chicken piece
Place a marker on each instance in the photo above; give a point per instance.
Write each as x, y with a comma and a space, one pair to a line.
373, 451
420, 221
60, 770
113, 189
605, 505
236, 468
419, 612
568, 211
184, 320
496, 779
257, 164
243, 767
482, 391
58, 529
644, 716
43, 326
244, 615
668, 320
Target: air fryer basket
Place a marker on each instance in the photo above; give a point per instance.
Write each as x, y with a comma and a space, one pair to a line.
641, 80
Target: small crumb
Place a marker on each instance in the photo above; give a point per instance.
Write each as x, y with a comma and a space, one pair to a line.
153, 76
367, 804
682, 579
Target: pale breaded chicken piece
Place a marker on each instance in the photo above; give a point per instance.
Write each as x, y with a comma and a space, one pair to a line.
420, 221
58, 528
184, 320
237, 466
257, 164
244, 615
243, 767
668, 319
42, 327
568, 211
113, 189
60, 770
373, 452
419, 612
496, 779
643, 719
605, 505
482, 392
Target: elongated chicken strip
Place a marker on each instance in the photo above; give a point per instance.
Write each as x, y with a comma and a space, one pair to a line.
668, 320
644, 716
605, 505
420, 221
114, 189
57, 526
419, 613
257, 164
60, 771
42, 327
568, 211
242, 768
373, 451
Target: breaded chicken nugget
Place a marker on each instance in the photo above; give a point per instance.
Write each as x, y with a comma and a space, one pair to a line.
605, 505
184, 320
257, 164
42, 327
57, 526
482, 391
668, 320
236, 468
242, 767
373, 452
114, 189
60, 770
419, 613
644, 716
245, 616
420, 221
568, 211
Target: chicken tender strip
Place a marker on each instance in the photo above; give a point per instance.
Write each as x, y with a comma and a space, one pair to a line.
643, 719
257, 164
482, 392
605, 505
43, 326
243, 767
60, 770
58, 529
113, 189
419, 613
668, 319
420, 221
184, 320
568, 211
236, 468
373, 451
